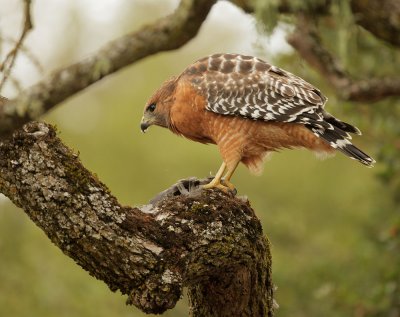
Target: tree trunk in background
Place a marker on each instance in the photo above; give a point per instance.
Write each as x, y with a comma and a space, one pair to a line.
203, 239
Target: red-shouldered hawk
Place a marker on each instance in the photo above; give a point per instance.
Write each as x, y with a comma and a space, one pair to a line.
248, 108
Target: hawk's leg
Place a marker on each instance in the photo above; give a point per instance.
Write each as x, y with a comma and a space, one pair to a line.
228, 175
216, 182
224, 184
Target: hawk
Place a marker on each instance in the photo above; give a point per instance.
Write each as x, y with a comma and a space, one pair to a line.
248, 108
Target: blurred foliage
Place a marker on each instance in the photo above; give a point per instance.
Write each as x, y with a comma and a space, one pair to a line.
334, 225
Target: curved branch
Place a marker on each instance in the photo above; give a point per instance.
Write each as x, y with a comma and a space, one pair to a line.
308, 44
205, 240
166, 34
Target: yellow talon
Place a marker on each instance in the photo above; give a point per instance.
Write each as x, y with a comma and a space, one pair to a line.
226, 185
218, 185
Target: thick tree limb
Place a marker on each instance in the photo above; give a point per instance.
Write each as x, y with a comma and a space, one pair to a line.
167, 33
205, 240
309, 45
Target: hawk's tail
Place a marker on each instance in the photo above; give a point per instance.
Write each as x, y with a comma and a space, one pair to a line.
341, 125
335, 132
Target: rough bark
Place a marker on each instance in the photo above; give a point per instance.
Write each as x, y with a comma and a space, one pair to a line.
165, 34
205, 240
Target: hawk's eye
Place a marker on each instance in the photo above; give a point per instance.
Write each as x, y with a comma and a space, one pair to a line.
152, 107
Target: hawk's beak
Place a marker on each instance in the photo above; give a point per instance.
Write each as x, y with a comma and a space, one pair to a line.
144, 125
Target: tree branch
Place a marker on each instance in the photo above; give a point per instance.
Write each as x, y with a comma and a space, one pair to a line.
166, 34
205, 240
308, 44
9, 61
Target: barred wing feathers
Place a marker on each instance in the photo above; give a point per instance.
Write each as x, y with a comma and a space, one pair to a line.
251, 88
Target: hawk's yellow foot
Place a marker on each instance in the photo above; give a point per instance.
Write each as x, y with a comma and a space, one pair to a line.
216, 184
230, 170
225, 184
228, 184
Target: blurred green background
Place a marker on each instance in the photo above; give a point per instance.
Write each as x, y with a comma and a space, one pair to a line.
333, 224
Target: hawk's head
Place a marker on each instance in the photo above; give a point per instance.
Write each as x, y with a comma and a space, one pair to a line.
157, 109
